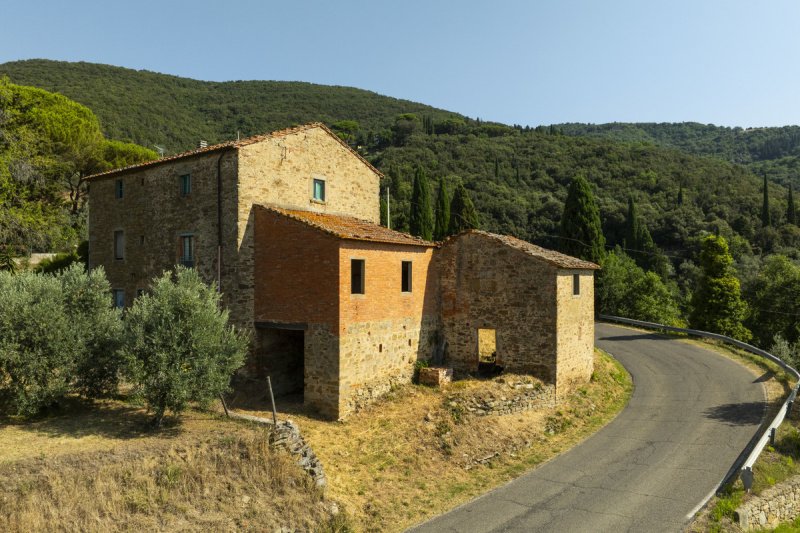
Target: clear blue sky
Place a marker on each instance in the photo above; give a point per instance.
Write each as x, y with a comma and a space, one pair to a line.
734, 63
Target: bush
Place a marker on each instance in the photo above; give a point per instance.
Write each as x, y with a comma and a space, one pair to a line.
178, 344
38, 345
88, 303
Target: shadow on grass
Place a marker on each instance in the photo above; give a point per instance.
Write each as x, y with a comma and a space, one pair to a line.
76, 418
737, 414
253, 395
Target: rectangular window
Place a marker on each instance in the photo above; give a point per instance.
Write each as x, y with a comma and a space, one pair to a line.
187, 250
119, 244
119, 189
576, 284
186, 185
357, 276
406, 277
319, 190
119, 298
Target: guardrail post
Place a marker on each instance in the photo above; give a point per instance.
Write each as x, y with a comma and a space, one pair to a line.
747, 478
772, 436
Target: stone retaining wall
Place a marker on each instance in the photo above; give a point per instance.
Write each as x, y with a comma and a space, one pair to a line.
777, 504
520, 397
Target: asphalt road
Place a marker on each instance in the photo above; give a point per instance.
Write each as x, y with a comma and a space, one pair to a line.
691, 415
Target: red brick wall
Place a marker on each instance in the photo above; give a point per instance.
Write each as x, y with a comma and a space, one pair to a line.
296, 272
382, 298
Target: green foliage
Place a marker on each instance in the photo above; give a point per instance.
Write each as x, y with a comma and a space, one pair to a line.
39, 346
420, 219
774, 302
791, 214
179, 347
463, 215
441, 228
98, 325
716, 304
581, 234
57, 263
766, 219
624, 289
48, 146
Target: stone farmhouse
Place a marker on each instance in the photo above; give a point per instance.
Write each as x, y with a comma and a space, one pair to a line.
339, 308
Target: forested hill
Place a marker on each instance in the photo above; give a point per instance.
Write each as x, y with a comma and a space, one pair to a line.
771, 151
517, 176
150, 108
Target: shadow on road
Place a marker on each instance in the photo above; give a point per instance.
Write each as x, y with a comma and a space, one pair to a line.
737, 414
766, 376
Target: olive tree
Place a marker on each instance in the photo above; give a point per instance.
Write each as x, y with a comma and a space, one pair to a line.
179, 347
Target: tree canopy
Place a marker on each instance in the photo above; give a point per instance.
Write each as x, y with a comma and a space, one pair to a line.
581, 234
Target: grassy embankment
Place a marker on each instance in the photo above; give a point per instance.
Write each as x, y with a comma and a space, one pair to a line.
407, 458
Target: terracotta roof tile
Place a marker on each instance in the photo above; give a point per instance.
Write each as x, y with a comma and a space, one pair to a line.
350, 228
555, 258
235, 144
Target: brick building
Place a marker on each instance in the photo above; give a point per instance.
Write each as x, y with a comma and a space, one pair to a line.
339, 307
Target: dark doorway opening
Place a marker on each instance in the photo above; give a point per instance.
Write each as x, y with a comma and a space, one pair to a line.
487, 353
281, 356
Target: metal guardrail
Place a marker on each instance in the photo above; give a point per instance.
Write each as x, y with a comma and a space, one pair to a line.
746, 468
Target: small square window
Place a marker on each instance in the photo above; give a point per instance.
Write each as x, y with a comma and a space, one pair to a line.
319, 190
186, 185
406, 277
119, 189
187, 251
357, 272
119, 298
576, 284
119, 244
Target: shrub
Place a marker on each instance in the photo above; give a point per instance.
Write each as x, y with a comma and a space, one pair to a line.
178, 344
88, 303
38, 345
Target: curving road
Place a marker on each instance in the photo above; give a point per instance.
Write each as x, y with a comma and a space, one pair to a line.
691, 415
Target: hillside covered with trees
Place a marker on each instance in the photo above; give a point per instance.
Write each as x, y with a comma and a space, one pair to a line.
661, 190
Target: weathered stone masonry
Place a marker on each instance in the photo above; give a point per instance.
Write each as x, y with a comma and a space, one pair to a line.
284, 262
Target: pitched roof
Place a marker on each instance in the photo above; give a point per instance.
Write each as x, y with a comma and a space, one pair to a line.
551, 256
236, 144
350, 228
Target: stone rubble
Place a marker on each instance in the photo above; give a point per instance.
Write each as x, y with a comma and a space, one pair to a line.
773, 506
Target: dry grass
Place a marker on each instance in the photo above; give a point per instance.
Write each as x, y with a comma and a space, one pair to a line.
100, 470
410, 456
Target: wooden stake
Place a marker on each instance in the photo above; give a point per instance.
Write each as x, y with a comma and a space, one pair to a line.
224, 406
272, 399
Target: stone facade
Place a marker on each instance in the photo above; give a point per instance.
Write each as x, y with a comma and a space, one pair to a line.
284, 261
541, 327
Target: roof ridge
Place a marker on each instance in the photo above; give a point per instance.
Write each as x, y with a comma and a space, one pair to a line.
393, 238
236, 144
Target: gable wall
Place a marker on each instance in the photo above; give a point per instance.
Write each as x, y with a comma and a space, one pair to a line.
486, 284
575, 330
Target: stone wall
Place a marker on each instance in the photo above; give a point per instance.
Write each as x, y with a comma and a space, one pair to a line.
153, 215
521, 395
774, 505
575, 329
486, 284
384, 331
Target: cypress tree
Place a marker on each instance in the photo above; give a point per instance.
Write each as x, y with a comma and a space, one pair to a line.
680, 194
420, 220
717, 304
791, 216
463, 215
581, 233
442, 222
765, 218
633, 228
